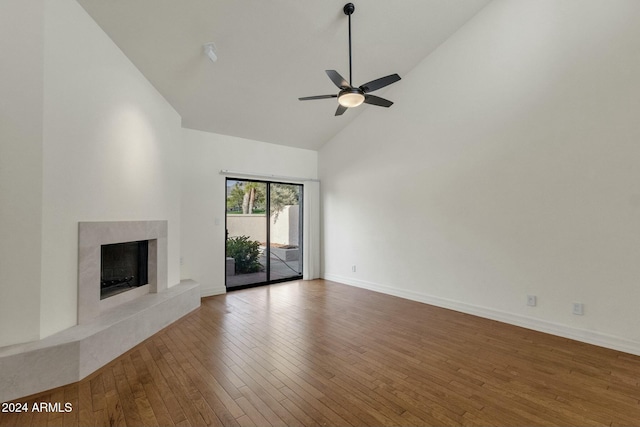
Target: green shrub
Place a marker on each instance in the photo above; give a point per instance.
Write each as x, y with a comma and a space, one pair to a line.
245, 252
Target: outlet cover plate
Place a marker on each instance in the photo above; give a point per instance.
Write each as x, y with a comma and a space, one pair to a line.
578, 308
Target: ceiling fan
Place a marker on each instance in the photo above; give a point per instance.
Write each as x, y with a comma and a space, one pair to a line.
350, 96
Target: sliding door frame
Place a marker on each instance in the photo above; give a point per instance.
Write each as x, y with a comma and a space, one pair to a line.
268, 230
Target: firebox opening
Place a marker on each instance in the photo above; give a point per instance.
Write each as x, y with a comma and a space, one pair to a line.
123, 266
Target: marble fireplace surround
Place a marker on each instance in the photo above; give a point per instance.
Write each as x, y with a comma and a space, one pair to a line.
107, 332
91, 236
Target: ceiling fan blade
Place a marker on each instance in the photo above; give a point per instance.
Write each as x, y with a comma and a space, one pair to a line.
379, 83
341, 109
308, 98
337, 79
376, 100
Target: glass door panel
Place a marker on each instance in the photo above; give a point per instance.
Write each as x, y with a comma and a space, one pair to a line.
285, 231
246, 225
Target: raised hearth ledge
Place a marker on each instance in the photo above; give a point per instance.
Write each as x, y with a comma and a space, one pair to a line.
74, 353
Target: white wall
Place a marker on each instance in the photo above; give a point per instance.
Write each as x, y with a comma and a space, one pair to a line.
508, 166
203, 194
252, 225
285, 228
21, 69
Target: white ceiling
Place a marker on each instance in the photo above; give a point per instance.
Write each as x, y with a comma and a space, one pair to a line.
270, 53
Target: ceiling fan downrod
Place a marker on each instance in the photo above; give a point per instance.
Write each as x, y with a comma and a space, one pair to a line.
348, 10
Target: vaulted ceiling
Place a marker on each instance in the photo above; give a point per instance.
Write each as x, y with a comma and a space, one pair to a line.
270, 53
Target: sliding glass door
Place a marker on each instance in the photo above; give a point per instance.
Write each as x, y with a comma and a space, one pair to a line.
263, 232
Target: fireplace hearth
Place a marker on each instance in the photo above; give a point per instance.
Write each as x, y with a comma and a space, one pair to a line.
106, 328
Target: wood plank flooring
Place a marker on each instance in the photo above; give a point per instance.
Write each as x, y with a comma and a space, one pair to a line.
321, 353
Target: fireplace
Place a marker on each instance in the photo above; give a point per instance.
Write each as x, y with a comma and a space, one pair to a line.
136, 264
123, 266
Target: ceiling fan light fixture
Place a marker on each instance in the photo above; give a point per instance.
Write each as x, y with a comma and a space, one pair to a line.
350, 99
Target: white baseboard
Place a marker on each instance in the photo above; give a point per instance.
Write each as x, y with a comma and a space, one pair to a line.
582, 335
209, 292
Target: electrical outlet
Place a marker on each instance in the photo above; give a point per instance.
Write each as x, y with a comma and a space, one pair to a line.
353, 268
578, 308
532, 300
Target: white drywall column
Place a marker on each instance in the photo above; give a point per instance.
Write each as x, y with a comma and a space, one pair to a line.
21, 92
111, 152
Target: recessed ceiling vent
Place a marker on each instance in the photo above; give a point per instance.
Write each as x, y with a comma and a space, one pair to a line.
210, 51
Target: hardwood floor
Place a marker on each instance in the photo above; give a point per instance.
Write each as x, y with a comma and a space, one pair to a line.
321, 353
